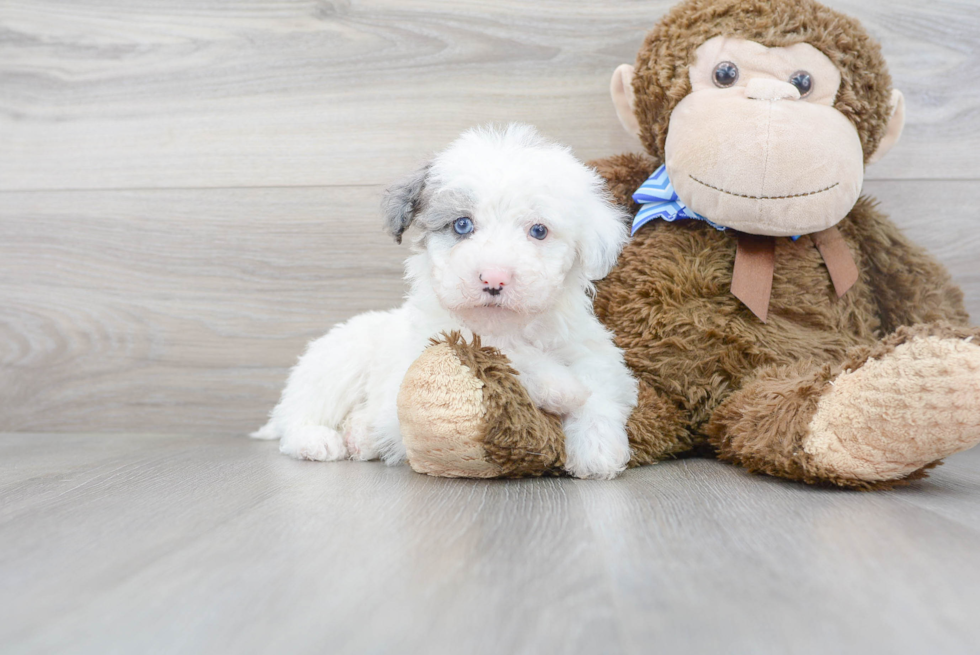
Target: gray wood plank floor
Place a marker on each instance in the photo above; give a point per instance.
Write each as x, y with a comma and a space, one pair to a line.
152, 544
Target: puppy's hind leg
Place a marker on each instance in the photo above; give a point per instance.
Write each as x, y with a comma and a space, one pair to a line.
361, 443
314, 442
322, 390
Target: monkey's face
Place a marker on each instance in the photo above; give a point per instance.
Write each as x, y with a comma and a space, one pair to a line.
757, 145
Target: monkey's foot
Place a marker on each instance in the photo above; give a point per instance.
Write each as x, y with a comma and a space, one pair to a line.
914, 401
463, 413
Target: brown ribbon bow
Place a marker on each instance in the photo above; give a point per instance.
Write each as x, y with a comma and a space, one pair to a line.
755, 262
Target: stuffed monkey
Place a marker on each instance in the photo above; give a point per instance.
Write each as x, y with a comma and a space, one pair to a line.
771, 314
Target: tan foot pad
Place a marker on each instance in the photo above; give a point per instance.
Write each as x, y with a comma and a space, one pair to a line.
441, 413
894, 415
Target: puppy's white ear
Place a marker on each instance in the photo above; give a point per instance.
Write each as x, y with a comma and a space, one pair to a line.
603, 238
402, 201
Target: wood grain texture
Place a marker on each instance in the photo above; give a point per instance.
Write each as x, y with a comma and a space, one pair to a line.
189, 93
182, 310
151, 309
157, 544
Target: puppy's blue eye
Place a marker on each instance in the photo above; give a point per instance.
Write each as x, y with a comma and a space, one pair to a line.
463, 225
538, 231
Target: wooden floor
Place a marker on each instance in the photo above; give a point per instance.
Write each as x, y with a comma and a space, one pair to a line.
147, 544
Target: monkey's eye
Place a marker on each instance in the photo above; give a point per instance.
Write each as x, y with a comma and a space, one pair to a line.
538, 231
463, 226
802, 81
726, 74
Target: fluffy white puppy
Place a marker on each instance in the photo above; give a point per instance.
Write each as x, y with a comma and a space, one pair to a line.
511, 232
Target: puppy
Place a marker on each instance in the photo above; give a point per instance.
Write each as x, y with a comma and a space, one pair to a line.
511, 232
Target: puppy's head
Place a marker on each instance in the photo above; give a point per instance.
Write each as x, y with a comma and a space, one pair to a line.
508, 224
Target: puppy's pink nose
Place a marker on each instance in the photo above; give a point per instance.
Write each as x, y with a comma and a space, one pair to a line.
495, 278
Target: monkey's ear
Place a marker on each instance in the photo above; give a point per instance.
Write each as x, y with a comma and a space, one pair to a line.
402, 201
621, 89
895, 125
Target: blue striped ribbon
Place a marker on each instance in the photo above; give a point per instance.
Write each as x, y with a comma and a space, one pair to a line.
657, 199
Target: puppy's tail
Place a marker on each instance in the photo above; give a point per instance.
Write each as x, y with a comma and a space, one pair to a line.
267, 431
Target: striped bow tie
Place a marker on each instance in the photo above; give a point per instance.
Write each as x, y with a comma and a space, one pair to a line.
657, 199
755, 256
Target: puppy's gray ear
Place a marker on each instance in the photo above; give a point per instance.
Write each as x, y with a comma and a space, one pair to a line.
403, 201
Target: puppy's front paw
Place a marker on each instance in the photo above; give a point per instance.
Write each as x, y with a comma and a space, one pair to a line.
560, 394
596, 449
313, 442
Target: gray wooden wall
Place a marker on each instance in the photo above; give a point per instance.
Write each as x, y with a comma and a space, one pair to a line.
189, 188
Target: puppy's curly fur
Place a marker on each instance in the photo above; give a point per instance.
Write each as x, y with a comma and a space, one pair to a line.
510, 230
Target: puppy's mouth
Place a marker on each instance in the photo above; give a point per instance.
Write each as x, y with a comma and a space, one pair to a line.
493, 304
751, 197
489, 300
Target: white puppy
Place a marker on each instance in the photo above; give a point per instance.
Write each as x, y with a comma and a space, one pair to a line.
513, 229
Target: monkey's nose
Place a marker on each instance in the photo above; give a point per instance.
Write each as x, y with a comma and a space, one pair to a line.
760, 88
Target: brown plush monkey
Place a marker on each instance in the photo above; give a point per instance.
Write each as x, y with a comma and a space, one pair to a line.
772, 316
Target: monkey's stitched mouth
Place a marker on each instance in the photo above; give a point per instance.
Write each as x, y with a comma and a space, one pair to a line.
743, 195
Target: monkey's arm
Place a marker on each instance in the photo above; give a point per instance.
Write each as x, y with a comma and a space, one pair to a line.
910, 286
624, 174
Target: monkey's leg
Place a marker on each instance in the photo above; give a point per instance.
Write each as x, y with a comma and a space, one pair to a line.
657, 428
463, 413
880, 418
